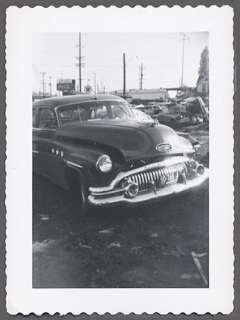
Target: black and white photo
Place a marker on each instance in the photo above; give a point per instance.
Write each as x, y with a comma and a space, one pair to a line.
119, 160
138, 153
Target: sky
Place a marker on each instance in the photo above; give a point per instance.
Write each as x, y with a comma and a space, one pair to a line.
161, 55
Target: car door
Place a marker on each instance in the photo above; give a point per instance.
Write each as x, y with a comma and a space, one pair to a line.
49, 152
43, 140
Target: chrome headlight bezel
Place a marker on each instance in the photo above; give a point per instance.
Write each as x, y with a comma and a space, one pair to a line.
104, 163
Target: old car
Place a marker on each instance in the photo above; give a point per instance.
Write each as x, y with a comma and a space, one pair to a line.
173, 115
141, 116
96, 146
149, 109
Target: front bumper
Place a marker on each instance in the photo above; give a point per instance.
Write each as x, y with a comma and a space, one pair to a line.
111, 195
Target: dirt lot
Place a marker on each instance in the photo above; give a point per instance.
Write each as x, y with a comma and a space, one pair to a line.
149, 246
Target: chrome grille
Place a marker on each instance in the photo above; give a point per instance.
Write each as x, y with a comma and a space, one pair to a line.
157, 177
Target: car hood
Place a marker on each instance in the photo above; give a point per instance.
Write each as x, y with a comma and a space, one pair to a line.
135, 140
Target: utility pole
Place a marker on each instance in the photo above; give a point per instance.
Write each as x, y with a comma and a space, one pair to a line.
124, 76
95, 83
50, 86
43, 83
183, 39
79, 63
141, 76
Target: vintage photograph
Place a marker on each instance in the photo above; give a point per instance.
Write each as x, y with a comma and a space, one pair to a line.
120, 159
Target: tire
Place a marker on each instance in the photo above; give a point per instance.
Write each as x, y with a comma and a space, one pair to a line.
83, 199
79, 194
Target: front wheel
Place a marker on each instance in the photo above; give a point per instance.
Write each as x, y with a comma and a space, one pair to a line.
79, 195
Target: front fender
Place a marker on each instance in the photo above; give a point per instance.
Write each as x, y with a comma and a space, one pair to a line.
83, 160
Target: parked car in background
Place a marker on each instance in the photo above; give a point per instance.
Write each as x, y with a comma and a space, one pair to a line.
149, 109
196, 110
96, 147
141, 116
173, 115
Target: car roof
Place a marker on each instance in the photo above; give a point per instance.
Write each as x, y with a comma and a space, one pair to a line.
64, 100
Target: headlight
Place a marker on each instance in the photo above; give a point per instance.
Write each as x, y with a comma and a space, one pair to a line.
104, 163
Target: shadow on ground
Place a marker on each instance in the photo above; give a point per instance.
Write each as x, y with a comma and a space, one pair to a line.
120, 247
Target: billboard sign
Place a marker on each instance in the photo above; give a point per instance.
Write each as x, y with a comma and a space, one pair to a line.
66, 85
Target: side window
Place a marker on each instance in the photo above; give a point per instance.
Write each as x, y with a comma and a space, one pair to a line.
47, 119
84, 113
69, 114
99, 112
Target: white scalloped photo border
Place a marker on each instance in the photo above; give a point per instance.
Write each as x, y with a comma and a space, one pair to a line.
21, 24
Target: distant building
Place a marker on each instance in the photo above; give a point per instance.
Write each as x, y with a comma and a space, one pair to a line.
183, 92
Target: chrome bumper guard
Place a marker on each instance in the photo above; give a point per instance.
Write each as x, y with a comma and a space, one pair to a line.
150, 175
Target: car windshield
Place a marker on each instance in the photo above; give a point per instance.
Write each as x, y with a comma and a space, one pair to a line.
95, 110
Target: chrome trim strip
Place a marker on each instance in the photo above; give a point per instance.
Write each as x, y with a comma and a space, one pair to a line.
145, 176
154, 175
121, 175
138, 179
134, 178
73, 164
35, 151
158, 194
151, 176
148, 177
43, 129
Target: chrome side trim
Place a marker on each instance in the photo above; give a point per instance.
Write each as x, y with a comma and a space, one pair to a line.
35, 151
73, 164
121, 175
43, 129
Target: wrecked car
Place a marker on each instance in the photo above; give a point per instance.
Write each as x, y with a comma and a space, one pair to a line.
150, 110
173, 116
95, 146
141, 116
196, 110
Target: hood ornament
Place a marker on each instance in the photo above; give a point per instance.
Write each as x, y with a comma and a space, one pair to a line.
163, 147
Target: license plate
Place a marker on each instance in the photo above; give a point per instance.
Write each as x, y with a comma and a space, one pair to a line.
172, 177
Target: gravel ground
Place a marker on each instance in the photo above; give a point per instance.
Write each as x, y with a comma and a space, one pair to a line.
149, 246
